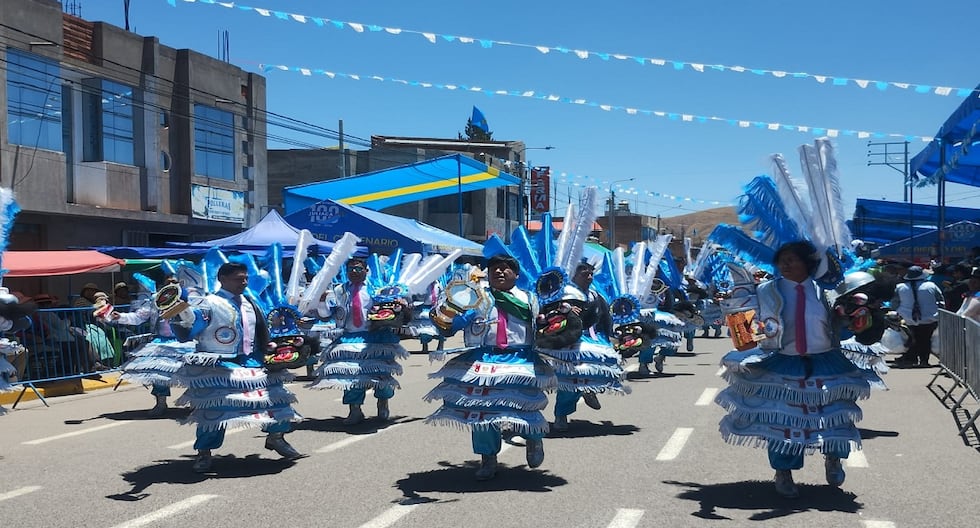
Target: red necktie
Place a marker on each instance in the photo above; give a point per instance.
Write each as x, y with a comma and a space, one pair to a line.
800, 320
501, 329
355, 305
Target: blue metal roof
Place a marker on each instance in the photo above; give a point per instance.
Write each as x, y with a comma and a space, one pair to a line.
445, 175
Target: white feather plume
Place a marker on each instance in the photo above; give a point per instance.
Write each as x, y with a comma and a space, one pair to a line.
619, 269
816, 180
410, 263
561, 247
297, 277
579, 231
658, 247
429, 271
342, 251
639, 267
791, 192
840, 234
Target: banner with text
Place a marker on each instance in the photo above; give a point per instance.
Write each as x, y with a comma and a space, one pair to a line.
540, 192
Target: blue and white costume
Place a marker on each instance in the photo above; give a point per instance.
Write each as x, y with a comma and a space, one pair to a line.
227, 386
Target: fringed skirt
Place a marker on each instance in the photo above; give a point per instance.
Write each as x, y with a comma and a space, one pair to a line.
866, 357
793, 404
6, 371
229, 394
361, 360
156, 362
489, 388
592, 365
712, 314
670, 332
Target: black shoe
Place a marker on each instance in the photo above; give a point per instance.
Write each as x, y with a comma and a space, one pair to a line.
276, 442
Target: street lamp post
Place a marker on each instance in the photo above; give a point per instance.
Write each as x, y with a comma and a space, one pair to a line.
612, 212
522, 213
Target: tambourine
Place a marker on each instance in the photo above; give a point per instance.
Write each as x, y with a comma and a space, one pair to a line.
168, 302
459, 297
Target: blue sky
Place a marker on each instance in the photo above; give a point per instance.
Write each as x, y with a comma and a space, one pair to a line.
896, 41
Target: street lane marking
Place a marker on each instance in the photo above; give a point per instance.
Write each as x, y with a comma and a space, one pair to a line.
878, 524
73, 433
626, 518
675, 444
856, 458
354, 439
190, 443
390, 516
18, 492
168, 511
707, 397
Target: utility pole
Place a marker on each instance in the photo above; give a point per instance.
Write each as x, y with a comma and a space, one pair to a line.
887, 154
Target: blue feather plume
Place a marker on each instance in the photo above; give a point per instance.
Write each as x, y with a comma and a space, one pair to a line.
743, 246
761, 209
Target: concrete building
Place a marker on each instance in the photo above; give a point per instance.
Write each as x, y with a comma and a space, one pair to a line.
484, 212
112, 138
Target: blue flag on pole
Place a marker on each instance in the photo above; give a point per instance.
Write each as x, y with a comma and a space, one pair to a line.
479, 121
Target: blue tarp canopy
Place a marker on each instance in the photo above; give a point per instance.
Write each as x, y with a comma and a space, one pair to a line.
377, 190
257, 239
960, 163
381, 233
884, 222
138, 252
960, 237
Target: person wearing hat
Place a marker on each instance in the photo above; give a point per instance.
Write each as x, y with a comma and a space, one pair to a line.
971, 299
120, 294
86, 296
918, 301
955, 289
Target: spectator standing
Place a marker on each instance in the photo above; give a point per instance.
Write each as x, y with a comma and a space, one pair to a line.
120, 294
971, 302
956, 287
918, 301
86, 296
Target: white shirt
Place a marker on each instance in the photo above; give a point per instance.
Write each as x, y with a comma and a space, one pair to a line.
930, 296
818, 328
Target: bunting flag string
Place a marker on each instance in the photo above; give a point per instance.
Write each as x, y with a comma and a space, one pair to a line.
678, 65
672, 116
584, 180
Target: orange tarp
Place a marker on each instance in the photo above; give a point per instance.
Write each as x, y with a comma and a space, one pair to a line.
44, 263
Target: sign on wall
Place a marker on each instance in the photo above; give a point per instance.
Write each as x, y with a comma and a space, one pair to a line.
217, 204
540, 191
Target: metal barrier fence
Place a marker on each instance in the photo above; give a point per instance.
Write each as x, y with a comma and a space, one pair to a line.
68, 343
959, 359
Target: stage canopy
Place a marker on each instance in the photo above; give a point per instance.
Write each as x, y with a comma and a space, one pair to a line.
884, 222
960, 163
46, 263
257, 239
960, 237
377, 190
381, 233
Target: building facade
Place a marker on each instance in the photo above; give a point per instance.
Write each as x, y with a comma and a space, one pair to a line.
484, 213
111, 138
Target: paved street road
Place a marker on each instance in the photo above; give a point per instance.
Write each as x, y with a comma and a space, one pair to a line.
652, 458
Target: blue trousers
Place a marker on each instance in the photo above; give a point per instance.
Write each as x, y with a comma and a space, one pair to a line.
646, 355
566, 402
160, 390
214, 439
784, 461
356, 396
487, 441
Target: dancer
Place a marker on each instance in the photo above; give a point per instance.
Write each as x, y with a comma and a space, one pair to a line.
791, 389
227, 384
155, 357
370, 308
498, 381
589, 365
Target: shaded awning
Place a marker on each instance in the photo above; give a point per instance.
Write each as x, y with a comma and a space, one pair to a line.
952, 153
382, 233
442, 176
45, 263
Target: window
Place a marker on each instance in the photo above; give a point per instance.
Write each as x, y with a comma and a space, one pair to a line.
214, 143
450, 204
108, 122
33, 101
